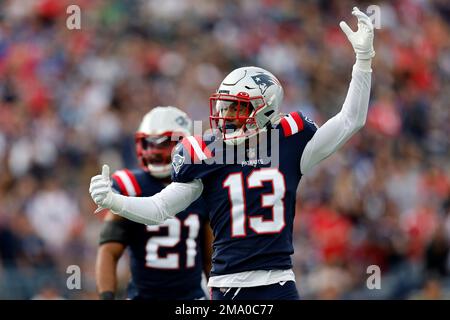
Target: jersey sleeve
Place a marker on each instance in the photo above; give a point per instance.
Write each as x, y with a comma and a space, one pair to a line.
298, 129
115, 186
188, 160
125, 183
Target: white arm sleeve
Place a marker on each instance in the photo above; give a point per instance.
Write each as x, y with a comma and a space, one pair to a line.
337, 130
162, 206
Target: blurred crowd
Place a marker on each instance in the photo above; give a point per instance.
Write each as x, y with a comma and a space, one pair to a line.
70, 100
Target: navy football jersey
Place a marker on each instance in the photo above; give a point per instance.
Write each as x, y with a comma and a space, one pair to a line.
165, 260
252, 203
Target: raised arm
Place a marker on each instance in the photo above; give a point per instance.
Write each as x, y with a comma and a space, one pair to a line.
337, 130
146, 210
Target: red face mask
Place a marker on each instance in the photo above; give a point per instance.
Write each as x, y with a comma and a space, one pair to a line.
229, 113
154, 149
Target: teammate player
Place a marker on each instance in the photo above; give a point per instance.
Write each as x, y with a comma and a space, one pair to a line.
252, 207
165, 260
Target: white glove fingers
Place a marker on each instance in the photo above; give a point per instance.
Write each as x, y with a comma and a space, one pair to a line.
96, 178
366, 23
95, 188
99, 185
355, 10
361, 16
363, 19
100, 180
100, 188
362, 39
99, 192
345, 28
99, 200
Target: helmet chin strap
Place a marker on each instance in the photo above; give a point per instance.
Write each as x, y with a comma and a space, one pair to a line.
235, 138
238, 135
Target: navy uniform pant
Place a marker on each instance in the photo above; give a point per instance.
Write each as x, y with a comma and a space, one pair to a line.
277, 291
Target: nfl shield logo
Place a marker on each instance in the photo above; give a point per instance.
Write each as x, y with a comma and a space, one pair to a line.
251, 153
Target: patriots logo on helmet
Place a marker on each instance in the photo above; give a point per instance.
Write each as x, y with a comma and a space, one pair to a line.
181, 121
263, 81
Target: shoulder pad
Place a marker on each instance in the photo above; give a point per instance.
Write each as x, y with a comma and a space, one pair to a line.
127, 182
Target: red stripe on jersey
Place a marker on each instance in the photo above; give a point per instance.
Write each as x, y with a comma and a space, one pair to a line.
298, 120
286, 127
119, 181
136, 186
190, 149
203, 146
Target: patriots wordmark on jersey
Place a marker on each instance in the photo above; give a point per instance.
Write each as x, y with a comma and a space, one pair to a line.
166, 260
261, 148
251, 202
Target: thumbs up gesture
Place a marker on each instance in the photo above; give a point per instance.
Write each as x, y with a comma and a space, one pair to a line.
100, 189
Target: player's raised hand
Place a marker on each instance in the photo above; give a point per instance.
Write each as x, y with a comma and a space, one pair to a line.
362, 39
100, 189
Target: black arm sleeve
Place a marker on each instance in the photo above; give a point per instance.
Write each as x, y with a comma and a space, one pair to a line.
115, 231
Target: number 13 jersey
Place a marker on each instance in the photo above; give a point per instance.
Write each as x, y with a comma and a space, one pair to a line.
251, 203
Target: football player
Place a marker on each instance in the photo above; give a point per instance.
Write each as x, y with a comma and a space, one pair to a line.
252, 206
166, 261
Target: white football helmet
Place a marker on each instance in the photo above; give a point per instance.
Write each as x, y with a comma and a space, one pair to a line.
247, 102
158, 134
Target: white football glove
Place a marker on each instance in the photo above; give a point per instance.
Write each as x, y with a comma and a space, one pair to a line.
362, 39
100, 189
